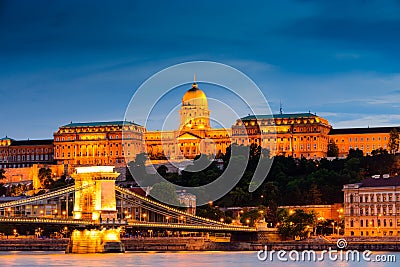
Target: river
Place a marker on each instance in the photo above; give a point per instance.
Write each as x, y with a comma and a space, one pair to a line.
184, 259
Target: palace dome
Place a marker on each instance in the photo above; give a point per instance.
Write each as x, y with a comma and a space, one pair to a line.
194, 97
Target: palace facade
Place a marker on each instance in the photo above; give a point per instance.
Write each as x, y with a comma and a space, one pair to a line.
118, 142
297, 135
372, 207
25, 153
365, 139
98, 143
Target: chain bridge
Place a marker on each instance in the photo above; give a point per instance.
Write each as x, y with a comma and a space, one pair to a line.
94, 201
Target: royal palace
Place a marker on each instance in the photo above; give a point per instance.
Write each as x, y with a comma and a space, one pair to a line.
118, 142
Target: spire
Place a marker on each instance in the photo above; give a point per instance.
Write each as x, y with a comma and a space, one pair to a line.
194, 85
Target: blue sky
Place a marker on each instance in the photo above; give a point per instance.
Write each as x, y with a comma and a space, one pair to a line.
63, 61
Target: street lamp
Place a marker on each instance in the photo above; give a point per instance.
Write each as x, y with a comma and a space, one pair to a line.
247, 222
333, 228
64, 213
144, 216
378, 223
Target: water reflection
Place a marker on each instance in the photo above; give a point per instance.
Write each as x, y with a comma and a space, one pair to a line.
179, 259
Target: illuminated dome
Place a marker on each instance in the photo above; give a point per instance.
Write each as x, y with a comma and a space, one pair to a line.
194, 97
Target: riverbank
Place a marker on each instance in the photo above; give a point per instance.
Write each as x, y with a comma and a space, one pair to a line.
198, 244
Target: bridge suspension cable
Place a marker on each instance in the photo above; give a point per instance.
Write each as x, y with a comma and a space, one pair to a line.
169, 211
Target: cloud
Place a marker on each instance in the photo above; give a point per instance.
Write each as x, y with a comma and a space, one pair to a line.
362, 120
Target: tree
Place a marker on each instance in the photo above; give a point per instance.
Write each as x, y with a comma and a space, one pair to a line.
333, 149
137, 168
2, 172
45, 177
315, 195
380, 162
17, 190
295, 223
355, 153
394, 141
165, 192
210, 212
162, 170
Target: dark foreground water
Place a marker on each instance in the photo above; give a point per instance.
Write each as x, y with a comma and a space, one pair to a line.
184, 259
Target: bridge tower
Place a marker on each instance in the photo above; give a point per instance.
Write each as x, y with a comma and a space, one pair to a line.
95, 193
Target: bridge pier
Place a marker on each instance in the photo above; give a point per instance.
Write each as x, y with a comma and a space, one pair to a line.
95, 193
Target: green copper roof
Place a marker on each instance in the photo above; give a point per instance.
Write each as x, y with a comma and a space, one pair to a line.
280, 116
6, 138
99, 123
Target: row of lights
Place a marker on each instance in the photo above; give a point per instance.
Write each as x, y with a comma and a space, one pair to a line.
32, 199
169, 208
192, 226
